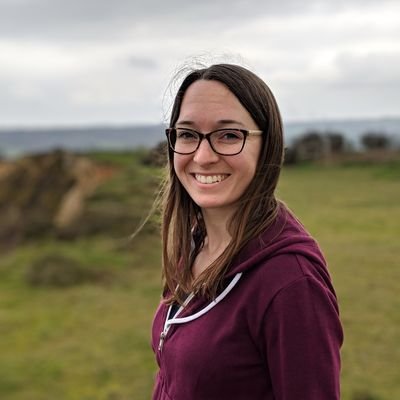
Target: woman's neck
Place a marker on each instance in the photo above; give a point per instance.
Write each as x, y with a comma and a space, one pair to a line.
216, 223
216, 241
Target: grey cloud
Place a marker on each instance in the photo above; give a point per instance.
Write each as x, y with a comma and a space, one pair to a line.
56, 104
142, 62
372, 69
100, 19
136, 44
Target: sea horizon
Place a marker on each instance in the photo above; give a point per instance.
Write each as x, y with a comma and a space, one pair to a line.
17, 141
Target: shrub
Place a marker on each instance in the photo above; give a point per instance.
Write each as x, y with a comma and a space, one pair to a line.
157, 156
310, 146
375, 140
59, 271
337, 142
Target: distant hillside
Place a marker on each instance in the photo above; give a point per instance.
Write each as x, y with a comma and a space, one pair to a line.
18, 141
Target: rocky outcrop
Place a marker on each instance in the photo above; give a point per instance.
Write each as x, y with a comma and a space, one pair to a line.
72, 204
42, 193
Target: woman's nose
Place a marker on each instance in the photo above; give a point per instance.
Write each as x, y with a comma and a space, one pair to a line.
205, 154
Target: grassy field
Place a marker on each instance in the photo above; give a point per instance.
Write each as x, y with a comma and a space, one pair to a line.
91, 341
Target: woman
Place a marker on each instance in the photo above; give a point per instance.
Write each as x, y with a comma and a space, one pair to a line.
248, 310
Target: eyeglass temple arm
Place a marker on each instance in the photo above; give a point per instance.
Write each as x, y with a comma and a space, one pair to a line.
255, 133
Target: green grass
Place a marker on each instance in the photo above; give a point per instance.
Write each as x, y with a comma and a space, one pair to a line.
354, 212
92, 341
84, 342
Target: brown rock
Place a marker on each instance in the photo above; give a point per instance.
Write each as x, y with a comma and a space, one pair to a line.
40, 192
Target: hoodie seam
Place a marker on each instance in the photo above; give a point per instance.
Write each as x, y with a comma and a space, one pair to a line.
300, 264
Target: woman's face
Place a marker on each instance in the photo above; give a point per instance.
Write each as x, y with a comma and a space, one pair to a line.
214, 181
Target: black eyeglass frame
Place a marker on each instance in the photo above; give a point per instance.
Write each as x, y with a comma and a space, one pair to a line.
207, 136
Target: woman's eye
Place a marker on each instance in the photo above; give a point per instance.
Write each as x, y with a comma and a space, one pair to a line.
230, 135
186, 135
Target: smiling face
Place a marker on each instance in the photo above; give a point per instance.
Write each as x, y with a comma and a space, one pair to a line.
211, 180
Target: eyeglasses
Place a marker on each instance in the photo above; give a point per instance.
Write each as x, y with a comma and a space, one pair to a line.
226, 141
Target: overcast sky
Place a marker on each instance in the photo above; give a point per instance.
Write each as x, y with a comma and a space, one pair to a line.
100, 61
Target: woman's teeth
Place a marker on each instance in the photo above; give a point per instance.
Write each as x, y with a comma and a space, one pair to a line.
210, 178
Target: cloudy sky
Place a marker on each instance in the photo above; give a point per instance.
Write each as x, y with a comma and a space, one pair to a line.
100, 61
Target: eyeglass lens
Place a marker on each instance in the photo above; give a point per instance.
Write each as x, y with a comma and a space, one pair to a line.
224, 141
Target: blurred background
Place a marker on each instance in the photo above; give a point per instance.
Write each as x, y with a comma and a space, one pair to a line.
85, 92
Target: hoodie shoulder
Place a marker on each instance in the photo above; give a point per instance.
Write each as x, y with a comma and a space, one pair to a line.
282, 254
285, 236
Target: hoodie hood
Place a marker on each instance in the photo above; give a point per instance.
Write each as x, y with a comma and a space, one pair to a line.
286, 235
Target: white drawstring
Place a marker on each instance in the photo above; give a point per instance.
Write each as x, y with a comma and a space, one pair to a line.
169, 322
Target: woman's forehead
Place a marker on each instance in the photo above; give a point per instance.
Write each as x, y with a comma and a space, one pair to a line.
212, 101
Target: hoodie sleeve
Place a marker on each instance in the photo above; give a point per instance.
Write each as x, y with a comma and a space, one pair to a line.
302, 337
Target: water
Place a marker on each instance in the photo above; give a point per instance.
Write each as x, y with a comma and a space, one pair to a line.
17, 142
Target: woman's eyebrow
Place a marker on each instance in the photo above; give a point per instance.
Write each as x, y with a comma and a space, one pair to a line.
219, 122
184, 122
229, 121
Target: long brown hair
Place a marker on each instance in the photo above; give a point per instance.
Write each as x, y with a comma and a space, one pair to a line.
182, 223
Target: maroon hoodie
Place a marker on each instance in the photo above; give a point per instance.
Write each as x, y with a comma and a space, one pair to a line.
273, 333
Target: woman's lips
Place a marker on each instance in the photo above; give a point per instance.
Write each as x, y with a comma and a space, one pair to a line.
209, 179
